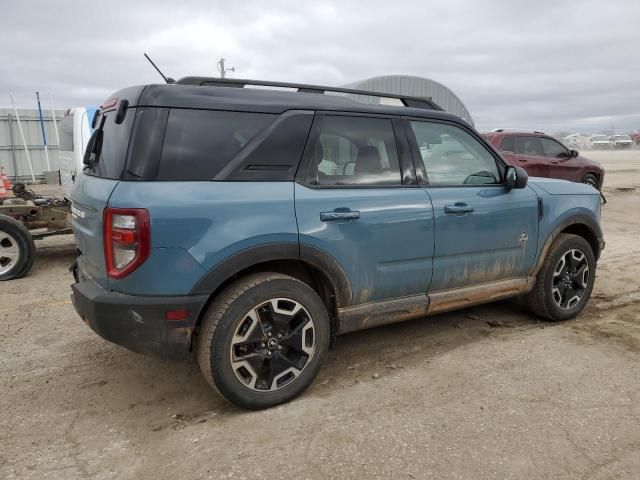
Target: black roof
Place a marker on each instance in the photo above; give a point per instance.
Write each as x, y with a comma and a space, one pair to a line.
260, 100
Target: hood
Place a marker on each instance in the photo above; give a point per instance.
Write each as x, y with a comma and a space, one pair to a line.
554, 186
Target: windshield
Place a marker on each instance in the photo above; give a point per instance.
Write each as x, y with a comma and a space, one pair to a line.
622, 137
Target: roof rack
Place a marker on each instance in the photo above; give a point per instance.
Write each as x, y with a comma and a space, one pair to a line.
407, 101
516, 130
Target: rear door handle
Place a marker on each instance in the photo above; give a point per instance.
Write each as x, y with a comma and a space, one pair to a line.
339, 215
458, 209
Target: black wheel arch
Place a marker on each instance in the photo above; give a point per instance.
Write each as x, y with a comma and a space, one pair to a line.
311, 265
582, 225
596, 175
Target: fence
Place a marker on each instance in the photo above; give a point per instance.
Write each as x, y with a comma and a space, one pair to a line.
12, 152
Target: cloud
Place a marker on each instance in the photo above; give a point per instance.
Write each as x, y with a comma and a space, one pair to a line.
552, 65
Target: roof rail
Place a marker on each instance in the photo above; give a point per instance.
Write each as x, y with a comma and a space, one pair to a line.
516, 130
407, 101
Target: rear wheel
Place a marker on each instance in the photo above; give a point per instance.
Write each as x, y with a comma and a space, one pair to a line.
17, 249
263, 339
566, 279
590, 179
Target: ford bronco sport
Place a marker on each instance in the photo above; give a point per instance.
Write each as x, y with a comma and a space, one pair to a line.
252, 225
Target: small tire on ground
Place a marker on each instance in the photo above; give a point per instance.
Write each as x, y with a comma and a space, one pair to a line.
224, 315
591, 179
540, 300
24, 242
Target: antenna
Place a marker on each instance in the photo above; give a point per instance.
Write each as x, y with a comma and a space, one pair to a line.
166, 79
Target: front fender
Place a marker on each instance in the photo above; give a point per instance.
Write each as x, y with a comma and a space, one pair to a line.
579, 219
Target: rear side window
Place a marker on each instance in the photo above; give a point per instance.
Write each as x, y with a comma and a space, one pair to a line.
528, 146
199, 143
354, 151
507, 144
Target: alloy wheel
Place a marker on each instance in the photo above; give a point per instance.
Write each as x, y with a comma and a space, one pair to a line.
272, 344
570, 279
9, 252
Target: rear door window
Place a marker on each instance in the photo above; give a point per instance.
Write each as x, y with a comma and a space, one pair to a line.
199, 143
354, 151
528, 145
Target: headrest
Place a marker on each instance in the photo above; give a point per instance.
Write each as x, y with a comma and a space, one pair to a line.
369, 161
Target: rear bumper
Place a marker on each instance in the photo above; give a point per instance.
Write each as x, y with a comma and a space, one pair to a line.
138, 322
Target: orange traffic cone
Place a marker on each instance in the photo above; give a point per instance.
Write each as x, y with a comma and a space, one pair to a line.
3, 192
5, 180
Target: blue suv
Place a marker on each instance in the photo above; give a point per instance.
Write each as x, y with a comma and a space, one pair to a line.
252, 225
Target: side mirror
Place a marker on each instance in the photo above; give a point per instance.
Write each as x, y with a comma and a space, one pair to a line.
573, 153
515, 177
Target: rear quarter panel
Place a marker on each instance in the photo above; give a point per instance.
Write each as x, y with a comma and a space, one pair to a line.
196, 225
89, 197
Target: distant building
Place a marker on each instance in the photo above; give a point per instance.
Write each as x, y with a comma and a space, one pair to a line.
416, 87
12, 153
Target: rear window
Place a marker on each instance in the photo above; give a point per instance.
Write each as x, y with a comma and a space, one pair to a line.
199, 143
111, 157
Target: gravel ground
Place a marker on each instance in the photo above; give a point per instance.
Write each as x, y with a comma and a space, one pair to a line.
443, 397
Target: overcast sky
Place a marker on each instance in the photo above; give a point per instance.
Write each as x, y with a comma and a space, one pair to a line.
552, 65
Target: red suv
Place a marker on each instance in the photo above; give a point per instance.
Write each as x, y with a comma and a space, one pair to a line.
543, 156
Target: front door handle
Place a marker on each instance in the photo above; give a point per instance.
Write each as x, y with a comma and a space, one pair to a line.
339, 215
458, 209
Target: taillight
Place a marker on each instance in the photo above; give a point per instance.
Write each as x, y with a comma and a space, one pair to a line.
127, 240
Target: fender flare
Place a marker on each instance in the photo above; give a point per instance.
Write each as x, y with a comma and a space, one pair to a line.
578, 219
306, 254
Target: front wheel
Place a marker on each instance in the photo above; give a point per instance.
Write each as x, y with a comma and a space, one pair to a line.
263, 340
565, 281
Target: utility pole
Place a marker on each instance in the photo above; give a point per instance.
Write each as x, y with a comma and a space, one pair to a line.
44, 135
223, 71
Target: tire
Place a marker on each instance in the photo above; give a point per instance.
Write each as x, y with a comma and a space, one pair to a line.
17, 250
557, 296
244, 356
590, 179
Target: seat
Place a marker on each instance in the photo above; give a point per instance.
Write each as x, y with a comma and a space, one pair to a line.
369, 162
317, 159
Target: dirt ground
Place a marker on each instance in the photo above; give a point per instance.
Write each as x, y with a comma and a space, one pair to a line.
444, 397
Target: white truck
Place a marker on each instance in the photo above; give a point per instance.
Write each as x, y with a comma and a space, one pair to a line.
26, 216
75, 130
